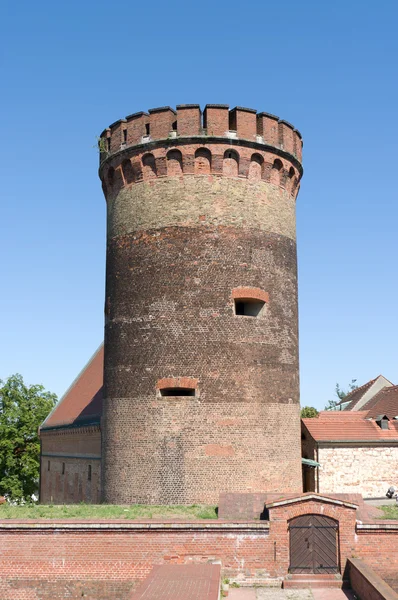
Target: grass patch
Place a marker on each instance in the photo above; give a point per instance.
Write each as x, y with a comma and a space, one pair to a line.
107, 511
390, 511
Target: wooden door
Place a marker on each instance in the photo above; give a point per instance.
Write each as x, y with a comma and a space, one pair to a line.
313, 544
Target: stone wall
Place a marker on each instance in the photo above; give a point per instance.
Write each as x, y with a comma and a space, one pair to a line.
367, 470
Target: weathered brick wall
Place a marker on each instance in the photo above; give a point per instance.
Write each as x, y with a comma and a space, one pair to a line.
108, 563
378, 548
191, 220
59, 560
70, 469
367, 470
366, 584
281, 515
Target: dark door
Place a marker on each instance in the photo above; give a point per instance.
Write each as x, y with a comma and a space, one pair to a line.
313, 544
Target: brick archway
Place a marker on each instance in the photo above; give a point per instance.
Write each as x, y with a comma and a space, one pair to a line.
283, 511
313, 544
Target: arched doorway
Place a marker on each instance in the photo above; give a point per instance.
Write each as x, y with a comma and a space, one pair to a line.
313, 544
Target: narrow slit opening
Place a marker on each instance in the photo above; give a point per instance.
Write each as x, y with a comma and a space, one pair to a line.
177, 392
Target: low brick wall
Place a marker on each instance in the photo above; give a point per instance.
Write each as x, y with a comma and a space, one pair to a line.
105, 560
366, 583
98, 561
377, 546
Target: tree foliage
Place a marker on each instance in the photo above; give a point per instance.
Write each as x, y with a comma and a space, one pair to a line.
308, 412
22, 410
341, 394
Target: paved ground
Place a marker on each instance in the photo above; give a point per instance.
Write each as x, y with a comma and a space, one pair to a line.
179, 582
381, 501
278, 594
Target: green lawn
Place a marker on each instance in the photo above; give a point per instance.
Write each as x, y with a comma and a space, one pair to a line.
390, 511
107, 511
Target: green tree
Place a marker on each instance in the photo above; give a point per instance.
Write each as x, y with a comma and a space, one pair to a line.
22, 410
308, 412
341, 394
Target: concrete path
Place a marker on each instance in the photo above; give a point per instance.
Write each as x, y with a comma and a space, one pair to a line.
278, 594
381, 501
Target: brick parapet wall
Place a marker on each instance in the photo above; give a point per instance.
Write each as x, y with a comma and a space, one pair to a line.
166, 123
63, 559
218, 157
366, 584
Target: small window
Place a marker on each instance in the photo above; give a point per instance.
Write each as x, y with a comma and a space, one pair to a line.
48, 466
177, 392
89, 473
124, 135
63, 468
147, 128
382, 421
108, 141
174, 125
248, 307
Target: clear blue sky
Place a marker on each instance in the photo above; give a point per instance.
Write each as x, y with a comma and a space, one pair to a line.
69, 69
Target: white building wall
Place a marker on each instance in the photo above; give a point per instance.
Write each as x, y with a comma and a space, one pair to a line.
364, 470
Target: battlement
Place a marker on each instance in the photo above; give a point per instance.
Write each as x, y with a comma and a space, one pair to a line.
188, 121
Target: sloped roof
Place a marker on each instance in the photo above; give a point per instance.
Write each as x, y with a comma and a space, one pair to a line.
384, 402
82, 402
354, 397
334, 426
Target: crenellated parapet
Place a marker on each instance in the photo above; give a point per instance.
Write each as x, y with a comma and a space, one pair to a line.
188, 121
177, 159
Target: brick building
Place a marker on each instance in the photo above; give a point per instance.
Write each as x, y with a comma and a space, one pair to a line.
201, 333
70, 437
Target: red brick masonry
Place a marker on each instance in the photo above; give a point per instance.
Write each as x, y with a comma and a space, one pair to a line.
106, 560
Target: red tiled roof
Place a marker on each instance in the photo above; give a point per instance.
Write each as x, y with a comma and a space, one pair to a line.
384, 402
82, 402
352, 426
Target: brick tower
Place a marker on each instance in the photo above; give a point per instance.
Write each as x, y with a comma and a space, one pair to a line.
201, 384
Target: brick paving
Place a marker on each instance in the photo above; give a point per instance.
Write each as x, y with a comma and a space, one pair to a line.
180, 582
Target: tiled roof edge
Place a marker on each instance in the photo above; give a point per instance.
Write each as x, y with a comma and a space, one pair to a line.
42, 426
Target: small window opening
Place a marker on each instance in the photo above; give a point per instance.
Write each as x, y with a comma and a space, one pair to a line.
174, 126
124, 135
303, 438
232, 120
48, 466
248, 307
177, 392
147, 128
108, 141
63, 468
89, 473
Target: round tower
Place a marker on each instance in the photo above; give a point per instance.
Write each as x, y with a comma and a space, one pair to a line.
201, 383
